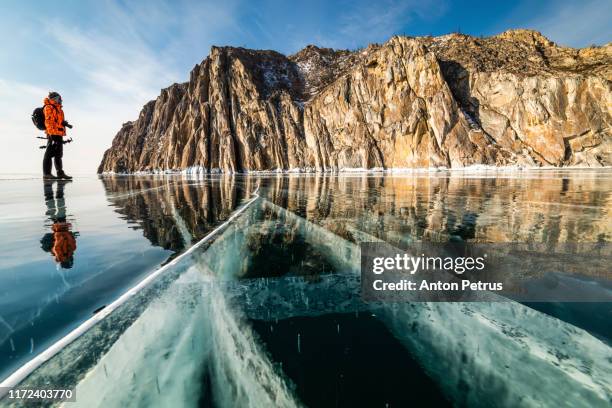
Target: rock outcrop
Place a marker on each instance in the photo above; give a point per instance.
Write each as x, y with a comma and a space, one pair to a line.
451, 101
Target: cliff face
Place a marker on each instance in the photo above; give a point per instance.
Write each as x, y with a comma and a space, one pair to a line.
452, 101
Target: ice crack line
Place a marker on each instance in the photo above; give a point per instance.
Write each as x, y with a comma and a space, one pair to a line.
25, 370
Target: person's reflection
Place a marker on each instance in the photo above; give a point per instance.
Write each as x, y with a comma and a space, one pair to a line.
61, 241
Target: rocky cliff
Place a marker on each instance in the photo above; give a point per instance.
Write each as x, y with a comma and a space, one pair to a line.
453, 101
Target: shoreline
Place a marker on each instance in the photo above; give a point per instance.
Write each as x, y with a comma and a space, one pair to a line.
477, 169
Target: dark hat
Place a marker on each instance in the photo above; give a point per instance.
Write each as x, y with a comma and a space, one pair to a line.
55, 96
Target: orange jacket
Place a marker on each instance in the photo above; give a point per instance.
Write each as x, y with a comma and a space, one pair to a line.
54, 117
64, 243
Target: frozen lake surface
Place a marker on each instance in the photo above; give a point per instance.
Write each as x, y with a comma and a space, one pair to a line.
269, 311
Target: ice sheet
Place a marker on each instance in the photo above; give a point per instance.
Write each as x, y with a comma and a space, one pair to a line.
192, 341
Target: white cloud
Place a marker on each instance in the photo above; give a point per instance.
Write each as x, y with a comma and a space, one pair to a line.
113, 81
93, 130
377, 21
577, 24
106, 71
17, 101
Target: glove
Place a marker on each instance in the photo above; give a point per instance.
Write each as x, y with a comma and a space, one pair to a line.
68, 125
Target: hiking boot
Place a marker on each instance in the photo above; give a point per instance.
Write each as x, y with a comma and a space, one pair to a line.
63, 176
49, 177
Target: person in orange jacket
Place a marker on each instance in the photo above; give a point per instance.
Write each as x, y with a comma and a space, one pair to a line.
61, 241
55, 125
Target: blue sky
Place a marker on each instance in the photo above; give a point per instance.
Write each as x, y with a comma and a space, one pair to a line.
109, 57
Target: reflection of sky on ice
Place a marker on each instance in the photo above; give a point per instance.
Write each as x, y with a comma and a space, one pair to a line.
34, 287
39, 300
193, 336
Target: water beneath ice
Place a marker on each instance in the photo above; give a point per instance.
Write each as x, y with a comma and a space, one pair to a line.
270, 311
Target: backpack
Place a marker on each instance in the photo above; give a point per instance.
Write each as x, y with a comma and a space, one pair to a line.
38, 118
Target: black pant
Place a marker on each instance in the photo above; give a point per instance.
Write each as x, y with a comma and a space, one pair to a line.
56, 207
55, 150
